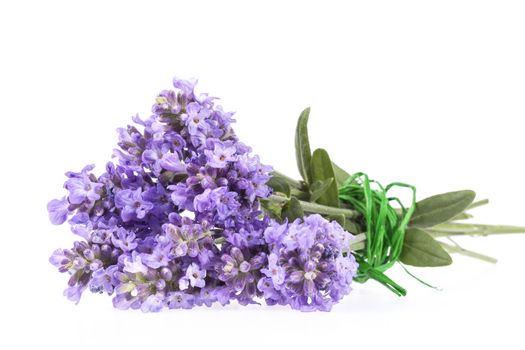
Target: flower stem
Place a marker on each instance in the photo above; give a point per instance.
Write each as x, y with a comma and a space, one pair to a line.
478, 204
459, 250
461, 229
358, 242
318, 208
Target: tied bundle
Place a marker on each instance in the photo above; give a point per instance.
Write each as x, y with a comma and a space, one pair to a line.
187, 216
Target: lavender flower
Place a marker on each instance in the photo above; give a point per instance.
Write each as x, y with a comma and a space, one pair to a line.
225, 202
58, 211
102, 280
180, 300
134, 264
207, 296
194, 277
221, 154
153, 303
80, 262
187, 239
310, 265
202, 202
180, 180
132, 205
274, 271
124, 239
195, 118
241, 273
83, 187
160, 256
161, 157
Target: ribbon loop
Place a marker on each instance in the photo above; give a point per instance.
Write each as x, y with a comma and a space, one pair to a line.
385, 226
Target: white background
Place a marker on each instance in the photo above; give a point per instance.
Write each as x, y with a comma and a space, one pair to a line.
429, 93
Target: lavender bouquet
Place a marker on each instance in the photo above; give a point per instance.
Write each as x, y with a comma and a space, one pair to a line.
187, 216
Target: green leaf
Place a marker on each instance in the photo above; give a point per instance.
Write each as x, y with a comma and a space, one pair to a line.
441, 208
341, 220
462, 216
421, 249
301, 195
302, 146
272, 208
292, 210
319, 187
351, 227
279, 184
290, 181
322, 170
340, 174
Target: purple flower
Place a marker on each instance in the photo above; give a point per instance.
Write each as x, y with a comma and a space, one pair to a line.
207, 296
86, 232
153, 303
203, 202
185, 86
307, 266
247, 165
182, 194
102, 280
236, 271
196, 118
244, 238
225, 201
124, 301
180, 300
132, 204
80, 262
270, 294
194, 277
274, 271
124, 239
254, 187
223, 152
160, 256
172, 162
58, 211
83, 187
61, 259
160, 156
133, 263
166, 102
160, 198
275, 232
74, 293
185, 238
299, 236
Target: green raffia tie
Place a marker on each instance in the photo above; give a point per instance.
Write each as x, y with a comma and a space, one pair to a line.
385, 227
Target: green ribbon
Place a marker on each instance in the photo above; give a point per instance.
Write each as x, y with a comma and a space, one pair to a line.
366, 270
385, 227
